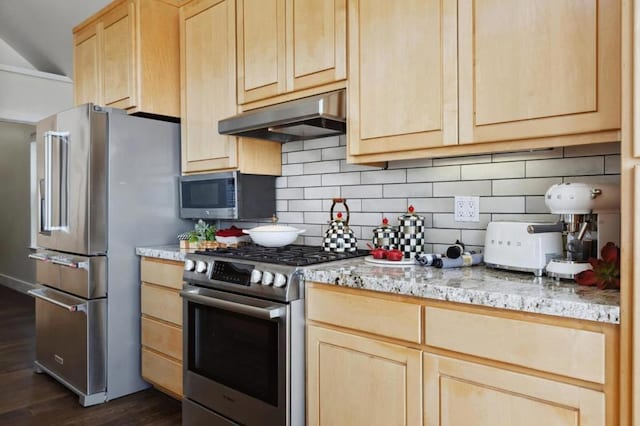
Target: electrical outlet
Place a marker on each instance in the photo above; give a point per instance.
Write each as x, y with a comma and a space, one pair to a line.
466, 209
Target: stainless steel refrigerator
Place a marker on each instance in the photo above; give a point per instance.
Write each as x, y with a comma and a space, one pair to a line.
107, 182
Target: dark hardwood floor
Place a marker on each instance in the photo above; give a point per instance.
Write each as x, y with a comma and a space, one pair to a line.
27, 398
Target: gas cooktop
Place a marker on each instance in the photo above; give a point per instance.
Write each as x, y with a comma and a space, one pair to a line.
291, 255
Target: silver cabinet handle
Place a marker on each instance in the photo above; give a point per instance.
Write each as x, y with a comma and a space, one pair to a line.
48, 180
38, 256
254, 311
40, 294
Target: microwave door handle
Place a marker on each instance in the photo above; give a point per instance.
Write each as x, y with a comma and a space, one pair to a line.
254, 311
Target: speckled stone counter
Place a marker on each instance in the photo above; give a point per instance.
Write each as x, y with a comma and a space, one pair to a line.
169, 252
476, 285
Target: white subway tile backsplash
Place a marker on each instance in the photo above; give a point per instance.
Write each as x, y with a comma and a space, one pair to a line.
362, 191
442, 236
506, 170
292, 169
446, 220
407, 190
433, 174
432, 204
451, 189
329, 142
322, 167
292, 146
531, 186
321, 192
305, 205
565, 166
501, 204
304, 181
593, 149
352, 178
510, 185
384, 176
289, 193
398, 205
338, 153
304, 156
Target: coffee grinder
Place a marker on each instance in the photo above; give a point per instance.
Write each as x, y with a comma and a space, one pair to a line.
590, 217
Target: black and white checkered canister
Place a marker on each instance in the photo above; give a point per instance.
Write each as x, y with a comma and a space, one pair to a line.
385, 237
411, 235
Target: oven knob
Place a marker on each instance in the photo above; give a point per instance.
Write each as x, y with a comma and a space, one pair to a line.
201, 266
279, 280
267, 278
256, 275
189, 265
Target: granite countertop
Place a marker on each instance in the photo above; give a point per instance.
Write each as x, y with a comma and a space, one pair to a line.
476, 285
168, 252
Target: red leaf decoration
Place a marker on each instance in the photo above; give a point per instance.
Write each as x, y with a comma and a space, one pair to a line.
587, 277
606, 271
610, 253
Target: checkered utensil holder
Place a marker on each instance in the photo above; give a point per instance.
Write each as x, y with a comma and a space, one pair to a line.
385, 236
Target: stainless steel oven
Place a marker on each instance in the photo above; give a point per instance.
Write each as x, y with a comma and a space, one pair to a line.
243, 331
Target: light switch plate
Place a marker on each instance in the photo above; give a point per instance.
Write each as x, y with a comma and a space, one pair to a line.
466, 209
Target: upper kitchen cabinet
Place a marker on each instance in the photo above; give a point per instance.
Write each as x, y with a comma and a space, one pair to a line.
126, 56
442, 78
289, 49
208, 80
536, 69
402, 75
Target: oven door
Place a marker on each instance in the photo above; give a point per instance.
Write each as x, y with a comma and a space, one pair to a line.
236, 355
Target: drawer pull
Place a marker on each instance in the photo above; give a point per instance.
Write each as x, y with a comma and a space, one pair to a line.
39, 293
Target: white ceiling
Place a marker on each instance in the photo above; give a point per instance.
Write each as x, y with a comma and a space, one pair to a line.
40, 30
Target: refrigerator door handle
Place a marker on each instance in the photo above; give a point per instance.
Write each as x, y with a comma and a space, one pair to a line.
42, 294
61, 163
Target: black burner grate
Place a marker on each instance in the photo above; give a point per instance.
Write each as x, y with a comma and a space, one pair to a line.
292, 255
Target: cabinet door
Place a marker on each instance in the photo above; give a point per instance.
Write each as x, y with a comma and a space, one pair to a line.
316, 42
355, 381
460, 393
118, 57
531, 69
207, 40
86, 66
261, 49
402, 75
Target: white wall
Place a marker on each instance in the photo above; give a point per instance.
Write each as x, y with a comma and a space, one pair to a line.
28, 95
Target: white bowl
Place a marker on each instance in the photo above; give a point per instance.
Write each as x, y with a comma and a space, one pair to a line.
273, 235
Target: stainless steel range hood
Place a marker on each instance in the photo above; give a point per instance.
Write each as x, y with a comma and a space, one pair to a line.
308, 118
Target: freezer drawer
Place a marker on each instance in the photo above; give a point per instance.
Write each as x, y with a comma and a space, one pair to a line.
71, 339
83, 276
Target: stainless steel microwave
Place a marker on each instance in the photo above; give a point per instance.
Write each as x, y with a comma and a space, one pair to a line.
227, 195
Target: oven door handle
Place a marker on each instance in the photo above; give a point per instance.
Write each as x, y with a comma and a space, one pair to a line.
240, 308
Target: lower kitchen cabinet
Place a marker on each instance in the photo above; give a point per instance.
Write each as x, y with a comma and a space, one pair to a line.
161, 324
355, 380
461, 393
457, 365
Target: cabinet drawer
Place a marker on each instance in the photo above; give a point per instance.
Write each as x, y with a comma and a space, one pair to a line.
162, 371
162, 303
161, 272
565, 351
395, 319
162, 337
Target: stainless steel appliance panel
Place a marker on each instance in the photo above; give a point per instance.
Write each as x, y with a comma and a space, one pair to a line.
71, 149
236, 355
78, 354
196, 415
79, 275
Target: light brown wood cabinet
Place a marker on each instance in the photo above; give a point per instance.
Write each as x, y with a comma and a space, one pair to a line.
126, 56
161, 324
434, 78
285, 46
476, 365
208, 80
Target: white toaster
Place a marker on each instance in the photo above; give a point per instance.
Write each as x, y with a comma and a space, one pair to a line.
510, 245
